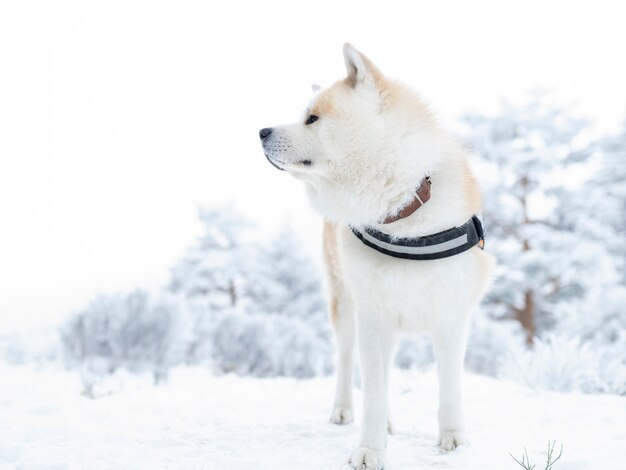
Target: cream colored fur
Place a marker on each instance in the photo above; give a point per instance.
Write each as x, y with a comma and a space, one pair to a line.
362, 159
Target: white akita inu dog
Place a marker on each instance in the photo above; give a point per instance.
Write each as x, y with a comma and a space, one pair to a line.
383, 174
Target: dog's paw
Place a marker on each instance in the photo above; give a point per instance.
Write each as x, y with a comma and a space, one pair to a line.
450, 440
365, 458
341, 415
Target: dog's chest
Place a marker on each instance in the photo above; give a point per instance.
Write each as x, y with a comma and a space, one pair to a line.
412, 294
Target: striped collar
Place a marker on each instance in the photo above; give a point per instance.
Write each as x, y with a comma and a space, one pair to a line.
439, 245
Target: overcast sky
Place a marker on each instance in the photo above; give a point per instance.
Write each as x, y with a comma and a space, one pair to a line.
119, 118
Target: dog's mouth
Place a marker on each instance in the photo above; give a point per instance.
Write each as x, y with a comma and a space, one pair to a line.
274, 164
281, 165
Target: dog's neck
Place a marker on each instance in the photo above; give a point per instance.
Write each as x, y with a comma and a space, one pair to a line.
453, 200
375, 190
422, 195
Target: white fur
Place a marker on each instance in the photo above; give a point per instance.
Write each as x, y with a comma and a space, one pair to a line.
367, 157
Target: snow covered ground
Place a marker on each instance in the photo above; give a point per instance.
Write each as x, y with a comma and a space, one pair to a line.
198, 421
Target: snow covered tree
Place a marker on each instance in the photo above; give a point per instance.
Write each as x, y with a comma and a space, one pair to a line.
281, 325
612, 177
529, 154
603, 198
597, 212
209, 277
282, 279
208, 272
256, 307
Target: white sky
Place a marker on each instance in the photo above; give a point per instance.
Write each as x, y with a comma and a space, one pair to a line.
119, 118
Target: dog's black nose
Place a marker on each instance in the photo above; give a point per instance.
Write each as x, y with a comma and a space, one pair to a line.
265, 133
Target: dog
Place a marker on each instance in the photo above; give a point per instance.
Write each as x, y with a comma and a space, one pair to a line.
390, 184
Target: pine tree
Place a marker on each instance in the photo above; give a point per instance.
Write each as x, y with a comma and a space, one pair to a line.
256, 307
597, 213
208, 278
528, 154
281, 327
209, 270
282, 279
609, 203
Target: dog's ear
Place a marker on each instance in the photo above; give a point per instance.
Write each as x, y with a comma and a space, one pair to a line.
315, 88
360, 69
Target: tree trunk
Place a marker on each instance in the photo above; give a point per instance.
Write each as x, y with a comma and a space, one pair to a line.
232, 292
526, 316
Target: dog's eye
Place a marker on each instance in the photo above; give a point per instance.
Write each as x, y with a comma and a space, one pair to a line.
311, 119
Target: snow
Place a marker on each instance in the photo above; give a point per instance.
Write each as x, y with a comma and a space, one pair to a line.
201, 421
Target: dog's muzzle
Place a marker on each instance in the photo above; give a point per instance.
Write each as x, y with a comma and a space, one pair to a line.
265, 136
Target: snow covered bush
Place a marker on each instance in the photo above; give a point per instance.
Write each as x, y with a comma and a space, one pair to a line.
38, 346
133, 331
489, 343
263, 346
415, 352
565, 364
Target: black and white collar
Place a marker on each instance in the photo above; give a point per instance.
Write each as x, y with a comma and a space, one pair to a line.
439, 245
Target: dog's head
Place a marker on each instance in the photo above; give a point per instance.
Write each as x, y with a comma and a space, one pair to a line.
354, 146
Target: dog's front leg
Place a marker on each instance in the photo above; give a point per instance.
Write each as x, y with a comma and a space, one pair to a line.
375, 335
449, 345
342, 315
